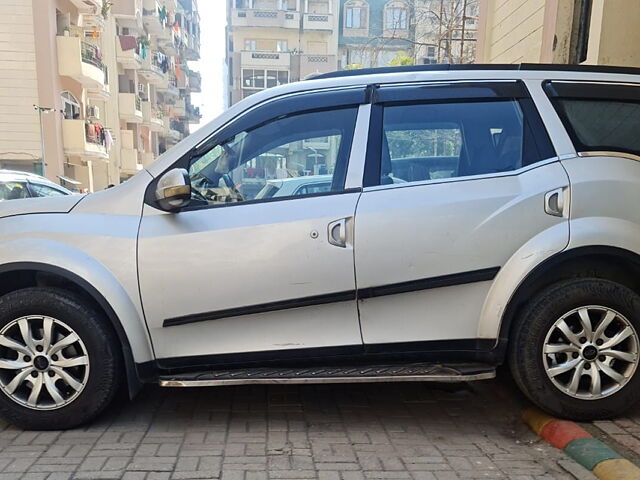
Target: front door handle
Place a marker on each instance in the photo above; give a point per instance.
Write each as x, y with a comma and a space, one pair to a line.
337, 232
554, 202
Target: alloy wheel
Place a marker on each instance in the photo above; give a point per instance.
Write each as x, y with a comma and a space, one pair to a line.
44, 364
591, 352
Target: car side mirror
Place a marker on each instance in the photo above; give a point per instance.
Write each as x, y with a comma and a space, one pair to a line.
173, 190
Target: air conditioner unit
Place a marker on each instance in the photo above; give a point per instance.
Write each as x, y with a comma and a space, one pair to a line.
93, 111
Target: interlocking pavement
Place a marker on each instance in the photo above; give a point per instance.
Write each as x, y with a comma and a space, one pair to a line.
414, 431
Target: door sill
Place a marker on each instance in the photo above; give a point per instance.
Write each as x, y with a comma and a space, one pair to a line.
413, 372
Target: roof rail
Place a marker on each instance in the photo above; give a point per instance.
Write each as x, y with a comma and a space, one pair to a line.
480, 66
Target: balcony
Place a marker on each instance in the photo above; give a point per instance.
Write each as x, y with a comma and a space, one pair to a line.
146, 158
101, 92
265, 59
151, 17
93, 21
87, 5
129, 161
318, 21
192, 47
315, 64
130, 107
183, 80
178, 109
128, 14
128, 58
152, 117
195, 81
151, 70
170, 89
193, 114
78, 141
79, 60
265, 18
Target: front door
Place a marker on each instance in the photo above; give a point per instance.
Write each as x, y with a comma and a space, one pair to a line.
457, 184
252, 265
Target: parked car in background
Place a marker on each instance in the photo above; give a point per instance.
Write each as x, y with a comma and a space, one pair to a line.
462, 217
15, 185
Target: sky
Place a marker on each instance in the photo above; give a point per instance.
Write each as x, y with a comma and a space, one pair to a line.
213, 19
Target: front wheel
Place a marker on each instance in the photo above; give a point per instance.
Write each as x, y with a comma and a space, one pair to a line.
59, 360
575, 350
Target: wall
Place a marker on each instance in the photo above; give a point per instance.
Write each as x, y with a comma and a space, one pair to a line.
614, 37
19, 129
511, 31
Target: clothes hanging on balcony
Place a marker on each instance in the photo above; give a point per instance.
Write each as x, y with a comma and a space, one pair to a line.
143, 51
108, 140
128, 42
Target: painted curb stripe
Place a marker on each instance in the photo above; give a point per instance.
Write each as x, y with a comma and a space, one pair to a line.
617, 469
589, 452
536, 419
560, 433
579, 445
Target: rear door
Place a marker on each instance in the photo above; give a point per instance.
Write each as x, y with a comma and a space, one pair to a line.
455, 183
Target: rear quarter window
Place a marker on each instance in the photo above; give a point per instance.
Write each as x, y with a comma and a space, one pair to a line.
599, 117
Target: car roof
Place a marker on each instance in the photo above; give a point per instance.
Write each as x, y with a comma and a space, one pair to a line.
18, 176
6, 175
302, 180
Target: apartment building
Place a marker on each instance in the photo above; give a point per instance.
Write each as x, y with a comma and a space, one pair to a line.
376, 33
272, 42
109, 81
594, 32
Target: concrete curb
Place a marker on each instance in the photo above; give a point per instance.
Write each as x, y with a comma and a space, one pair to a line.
577, 443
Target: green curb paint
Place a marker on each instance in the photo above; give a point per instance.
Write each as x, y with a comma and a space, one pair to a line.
589, 452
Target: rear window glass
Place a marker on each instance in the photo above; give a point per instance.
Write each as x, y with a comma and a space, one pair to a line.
601, 124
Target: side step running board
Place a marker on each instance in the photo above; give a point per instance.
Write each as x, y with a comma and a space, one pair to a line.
415, 372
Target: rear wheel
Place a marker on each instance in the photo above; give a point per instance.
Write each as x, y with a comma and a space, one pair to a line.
575, 351
59, 359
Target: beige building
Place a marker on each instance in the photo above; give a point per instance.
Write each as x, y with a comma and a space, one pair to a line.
602, 32
110, 80
272, 42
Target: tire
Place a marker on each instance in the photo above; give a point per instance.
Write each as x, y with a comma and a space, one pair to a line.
539, 334
85, 374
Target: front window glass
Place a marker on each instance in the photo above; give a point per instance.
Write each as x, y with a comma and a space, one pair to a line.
434, 141
276, 159
13, 190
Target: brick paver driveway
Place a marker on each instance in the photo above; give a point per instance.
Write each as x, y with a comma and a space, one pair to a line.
323, 432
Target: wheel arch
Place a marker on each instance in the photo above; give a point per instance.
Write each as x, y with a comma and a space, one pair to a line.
599, 261
18, 275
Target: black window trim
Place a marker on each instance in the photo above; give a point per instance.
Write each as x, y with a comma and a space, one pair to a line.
351, 96
557, 90
464, 91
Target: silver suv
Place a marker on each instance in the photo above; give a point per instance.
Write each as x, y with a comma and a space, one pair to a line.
474, 216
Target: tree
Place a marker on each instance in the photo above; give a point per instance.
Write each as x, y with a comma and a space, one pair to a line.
401, 59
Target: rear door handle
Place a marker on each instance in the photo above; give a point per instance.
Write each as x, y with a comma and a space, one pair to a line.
554, 202
337, 232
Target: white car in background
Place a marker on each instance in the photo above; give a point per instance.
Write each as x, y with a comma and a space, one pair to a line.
287, 187
15, 185
474, 215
